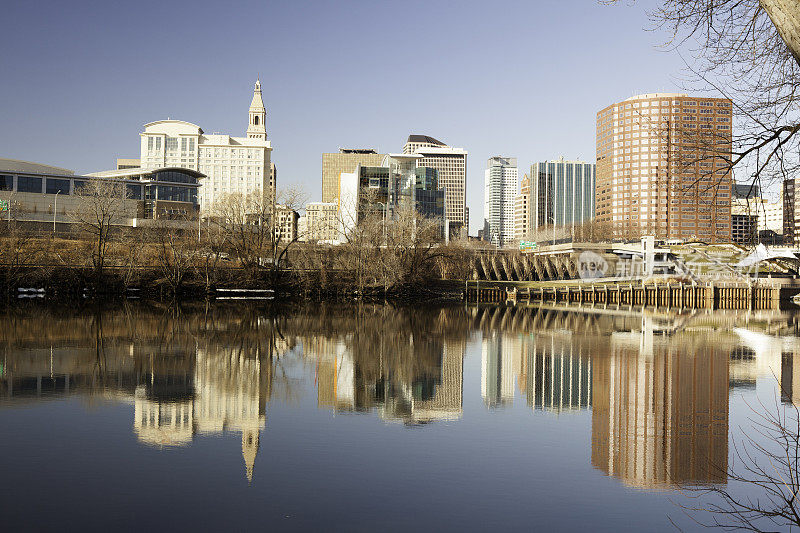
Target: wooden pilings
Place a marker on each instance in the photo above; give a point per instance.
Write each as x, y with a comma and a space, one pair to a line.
671, 295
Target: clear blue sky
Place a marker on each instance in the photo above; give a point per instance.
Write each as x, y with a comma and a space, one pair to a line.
513, 78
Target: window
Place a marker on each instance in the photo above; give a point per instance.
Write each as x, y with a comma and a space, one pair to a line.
29, 184
172, 143
150, 144
158, 144
6, 182
134, 192
183, 144
56, 186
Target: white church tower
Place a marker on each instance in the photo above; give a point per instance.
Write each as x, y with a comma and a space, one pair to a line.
257, 129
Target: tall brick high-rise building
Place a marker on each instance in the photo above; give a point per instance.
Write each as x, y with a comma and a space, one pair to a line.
662, 167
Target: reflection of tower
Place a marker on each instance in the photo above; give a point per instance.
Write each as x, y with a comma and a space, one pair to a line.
555, 374
232, 390
335, 373
790, 371
446, 403
250, 450
661, 418
497, 376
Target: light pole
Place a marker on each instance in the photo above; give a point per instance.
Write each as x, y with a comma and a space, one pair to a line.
55, 210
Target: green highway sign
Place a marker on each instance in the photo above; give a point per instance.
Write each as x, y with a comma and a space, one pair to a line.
3, 206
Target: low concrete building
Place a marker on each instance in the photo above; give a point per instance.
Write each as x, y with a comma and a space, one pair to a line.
36, 193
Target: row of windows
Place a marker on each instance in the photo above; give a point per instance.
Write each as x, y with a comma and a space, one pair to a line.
38, 185
35, 184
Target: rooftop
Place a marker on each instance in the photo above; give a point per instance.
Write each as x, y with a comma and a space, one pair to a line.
656, 95
357, 151
27, 167
424, 139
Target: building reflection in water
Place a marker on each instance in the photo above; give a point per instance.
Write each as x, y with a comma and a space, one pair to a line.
555, 372
182, 377
406, 380
658, 388
660, 408
497, 368
229, 392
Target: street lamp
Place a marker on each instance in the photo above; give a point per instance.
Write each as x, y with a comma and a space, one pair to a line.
55, 210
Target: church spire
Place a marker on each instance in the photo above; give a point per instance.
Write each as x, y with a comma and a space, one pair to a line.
256, 129
249, 451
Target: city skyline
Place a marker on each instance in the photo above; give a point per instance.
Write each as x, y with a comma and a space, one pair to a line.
86, 131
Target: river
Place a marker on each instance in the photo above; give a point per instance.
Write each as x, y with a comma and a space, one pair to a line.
239, 417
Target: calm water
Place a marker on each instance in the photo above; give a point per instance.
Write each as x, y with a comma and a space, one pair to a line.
464, 418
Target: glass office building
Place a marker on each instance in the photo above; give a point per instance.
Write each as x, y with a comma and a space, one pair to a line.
562, 193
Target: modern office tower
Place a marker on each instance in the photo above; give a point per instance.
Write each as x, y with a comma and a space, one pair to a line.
382, 191
659, 412
751, 215
500, 191
321, 223
661, 167
232, 164
522, 211
562, 194
451, 164
346, 160
497, 368
744, 227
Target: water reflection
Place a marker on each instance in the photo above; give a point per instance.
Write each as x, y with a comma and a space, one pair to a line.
660, 408
407, 366
657, 385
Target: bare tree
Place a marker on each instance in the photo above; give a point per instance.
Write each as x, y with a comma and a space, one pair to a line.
250, 223
210, 252
412, 247
176, 253
763, 483
101, 203
749, 51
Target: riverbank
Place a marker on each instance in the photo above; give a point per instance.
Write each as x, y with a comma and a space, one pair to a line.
67, 283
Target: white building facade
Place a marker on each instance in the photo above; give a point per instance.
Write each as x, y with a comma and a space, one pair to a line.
500, 191
321, 223
232, 164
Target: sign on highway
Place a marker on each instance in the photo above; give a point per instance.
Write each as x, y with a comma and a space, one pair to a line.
3, 206
526, 246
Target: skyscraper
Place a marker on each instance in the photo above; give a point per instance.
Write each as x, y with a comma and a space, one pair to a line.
346, 160
451, 164
661, 167
562, 193
232, 164
522, 211
500, 191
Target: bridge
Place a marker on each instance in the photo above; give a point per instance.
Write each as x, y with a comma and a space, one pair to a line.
694, 275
